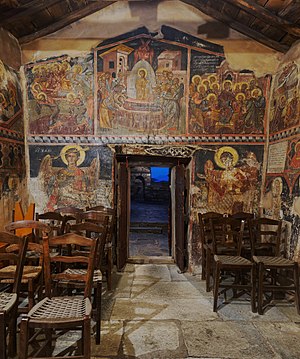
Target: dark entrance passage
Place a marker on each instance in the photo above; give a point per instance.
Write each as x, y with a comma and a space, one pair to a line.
149, 233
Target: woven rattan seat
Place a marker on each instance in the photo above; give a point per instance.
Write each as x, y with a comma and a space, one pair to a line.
28, 273
273, 261
7, 300
97, 273
232, 260
61, 309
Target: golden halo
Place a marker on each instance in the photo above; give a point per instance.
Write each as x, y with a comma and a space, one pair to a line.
256, 89
211, 95
280, 185
220, 151
143, 69
212, 77
297, 146
240, 94
201, 85
196, 77
227, 81
77, 148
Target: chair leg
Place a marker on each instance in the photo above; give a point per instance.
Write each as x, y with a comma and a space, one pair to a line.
86, 338
216, 286
260, 288
297, 289
207, 270
203, 272
109, 269
253, 288
12, 329
2, 336
98, 299
23, 349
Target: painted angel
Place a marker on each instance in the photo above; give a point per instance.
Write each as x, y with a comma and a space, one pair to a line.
71, 185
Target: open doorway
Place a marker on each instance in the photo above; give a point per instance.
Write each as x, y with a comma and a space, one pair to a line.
150, 200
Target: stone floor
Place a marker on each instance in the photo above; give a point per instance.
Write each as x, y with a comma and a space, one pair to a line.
155, 312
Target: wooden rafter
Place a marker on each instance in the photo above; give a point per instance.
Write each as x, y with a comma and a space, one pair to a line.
265, 15
202, 5
67, 19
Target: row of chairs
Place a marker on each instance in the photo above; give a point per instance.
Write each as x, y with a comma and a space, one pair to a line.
42, 262
249, 251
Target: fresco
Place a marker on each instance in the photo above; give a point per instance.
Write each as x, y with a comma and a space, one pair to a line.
60, 96
227, 179
12, 153
224, 101
285, 105
71, 175
142, 82
11, 110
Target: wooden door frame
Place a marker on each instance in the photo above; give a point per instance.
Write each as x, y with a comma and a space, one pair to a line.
144, 160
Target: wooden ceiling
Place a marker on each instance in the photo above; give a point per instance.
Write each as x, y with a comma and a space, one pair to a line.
274, 23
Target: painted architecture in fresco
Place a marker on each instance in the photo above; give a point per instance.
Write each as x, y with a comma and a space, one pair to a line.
285, 105
71, 175
60, 96
12, 153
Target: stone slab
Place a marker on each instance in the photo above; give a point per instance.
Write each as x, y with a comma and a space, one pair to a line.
111, 336
149, 271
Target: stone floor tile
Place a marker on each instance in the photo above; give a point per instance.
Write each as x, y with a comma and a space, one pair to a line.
283, 337
122, 285
176, 275
170, 290
154, 271
154, 339
111, 335
234, 340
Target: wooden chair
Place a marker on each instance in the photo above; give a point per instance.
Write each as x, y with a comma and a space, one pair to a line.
206, 242
56, 313
107, 262
232, 271
246, 241
13, 253
275, 272
55, 220
98, 231
32, 278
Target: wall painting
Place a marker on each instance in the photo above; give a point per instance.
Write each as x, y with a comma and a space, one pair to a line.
60, 96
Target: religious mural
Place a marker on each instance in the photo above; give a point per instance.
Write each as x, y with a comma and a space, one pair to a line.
225, 101
227, 179
12, 157
71, 175
60, 96
142, 82
285, 104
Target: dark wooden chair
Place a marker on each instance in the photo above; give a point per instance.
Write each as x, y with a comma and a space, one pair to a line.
206, 243
97, 231
61, 313
107, 262
13, 252
54, 220
32, 278
246, 241
232, 271
276, 274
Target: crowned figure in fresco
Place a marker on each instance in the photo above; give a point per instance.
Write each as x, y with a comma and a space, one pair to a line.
71, 185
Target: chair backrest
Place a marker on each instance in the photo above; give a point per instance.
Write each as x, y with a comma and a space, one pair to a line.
108, 210
13, 253
92, 230
246, 217
38, 230
54, 219
265, 236
227, 233
205, 225
65, 240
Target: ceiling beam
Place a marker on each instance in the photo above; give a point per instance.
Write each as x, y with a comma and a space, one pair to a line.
26, 10
265, 15
67, 19
201, 5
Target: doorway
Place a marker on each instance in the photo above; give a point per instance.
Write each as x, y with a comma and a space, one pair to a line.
137, 196
150, 200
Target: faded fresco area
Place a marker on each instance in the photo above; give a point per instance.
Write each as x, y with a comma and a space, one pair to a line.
60, 96
142, 82
282, 190
227, 179
71, 175
224, 101
11, 109
285, 104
